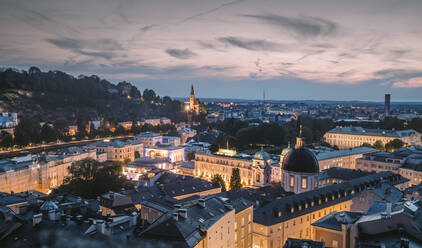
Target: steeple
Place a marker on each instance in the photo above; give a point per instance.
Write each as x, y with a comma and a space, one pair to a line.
192, 92
299, 139
192, 99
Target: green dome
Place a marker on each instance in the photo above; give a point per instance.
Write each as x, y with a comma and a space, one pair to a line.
261, 155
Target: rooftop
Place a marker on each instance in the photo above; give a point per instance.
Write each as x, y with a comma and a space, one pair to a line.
293, 206
345, 152
335, 220
374, 132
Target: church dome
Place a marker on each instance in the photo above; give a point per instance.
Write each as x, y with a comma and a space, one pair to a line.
262, 155
301, 160
286, 151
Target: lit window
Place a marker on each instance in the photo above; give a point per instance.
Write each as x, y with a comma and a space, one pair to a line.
304, 182
292, 181
335, 243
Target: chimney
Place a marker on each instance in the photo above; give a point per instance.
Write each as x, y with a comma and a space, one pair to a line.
202, 202
36, 219
388, 209
100, 226
176, 216
183, 212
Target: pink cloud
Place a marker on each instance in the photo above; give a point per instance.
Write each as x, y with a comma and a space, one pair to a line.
411, 83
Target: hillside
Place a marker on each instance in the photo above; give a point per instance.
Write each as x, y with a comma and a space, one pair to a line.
56, 95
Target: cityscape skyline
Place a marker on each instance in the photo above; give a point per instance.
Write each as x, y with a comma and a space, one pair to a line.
292, 49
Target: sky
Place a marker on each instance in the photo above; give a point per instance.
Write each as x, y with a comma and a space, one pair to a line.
292, 50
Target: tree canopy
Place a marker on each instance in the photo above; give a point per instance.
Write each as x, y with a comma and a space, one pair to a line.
218, 181
88, 178
235, 180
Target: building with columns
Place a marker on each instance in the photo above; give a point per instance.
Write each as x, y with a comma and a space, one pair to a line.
349, 137
256, 171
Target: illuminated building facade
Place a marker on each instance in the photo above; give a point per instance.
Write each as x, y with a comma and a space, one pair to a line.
171, 153
292, 216
42, 172
349, 137
405, 161
256, 171
149, 139
118, 150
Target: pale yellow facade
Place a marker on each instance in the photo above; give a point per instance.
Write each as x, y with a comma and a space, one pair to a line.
347, 161
124, 153
298, 228
208, 165
221, 233
41, 176
344, 141
243, 228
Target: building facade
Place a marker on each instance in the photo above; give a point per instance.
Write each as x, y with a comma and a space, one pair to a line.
253, 172
349, 137
118, 150
341, 158
405, 161
171, 153
149, 139
40, 172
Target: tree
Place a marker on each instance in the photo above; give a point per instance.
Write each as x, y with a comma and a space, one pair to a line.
379, 145
62, 127
235, 181
137, 154
27, 131
218, 181
190, 156
88, 178
6, 139
149, 95
394, 144
48, 133
365, 144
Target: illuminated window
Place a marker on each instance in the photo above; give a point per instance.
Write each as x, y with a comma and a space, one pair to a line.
335, 243
304, 182
292, 181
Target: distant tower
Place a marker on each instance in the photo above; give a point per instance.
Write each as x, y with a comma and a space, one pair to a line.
387, 105
192, 99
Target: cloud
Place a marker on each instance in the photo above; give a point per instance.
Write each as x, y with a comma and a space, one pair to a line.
102, 48
181, 53
148, 27
410, 83
207, 12
253, 45
307, 27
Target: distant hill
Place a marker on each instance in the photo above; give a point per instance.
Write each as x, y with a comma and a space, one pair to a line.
56, 95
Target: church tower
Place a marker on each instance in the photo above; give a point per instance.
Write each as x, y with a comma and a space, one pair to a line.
192, 99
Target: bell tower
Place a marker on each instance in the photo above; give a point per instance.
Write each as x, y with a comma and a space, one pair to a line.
191, 98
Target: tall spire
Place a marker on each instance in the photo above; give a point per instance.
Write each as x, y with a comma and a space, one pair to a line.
299, 139
192, 92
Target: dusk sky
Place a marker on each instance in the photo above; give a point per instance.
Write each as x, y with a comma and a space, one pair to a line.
336, 50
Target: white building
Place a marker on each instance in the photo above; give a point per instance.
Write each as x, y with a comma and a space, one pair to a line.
149, 139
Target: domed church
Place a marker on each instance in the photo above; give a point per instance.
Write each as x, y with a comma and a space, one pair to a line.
299, 168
